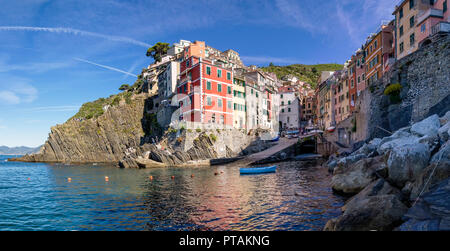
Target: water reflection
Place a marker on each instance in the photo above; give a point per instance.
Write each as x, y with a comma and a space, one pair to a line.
297, 197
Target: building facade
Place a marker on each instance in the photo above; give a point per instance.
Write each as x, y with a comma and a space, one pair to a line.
289, 108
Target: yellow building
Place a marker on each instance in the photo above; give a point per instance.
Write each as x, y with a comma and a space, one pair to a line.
406, 15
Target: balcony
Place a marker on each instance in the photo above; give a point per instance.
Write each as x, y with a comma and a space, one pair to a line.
429, 13
440, 28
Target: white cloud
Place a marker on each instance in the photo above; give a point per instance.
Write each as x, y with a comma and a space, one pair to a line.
106, 67
75, 32
16, 90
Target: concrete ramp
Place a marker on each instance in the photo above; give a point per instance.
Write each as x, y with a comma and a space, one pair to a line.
282, 145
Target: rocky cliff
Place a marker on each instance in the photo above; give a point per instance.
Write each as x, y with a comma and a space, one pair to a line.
123, 129
102, 139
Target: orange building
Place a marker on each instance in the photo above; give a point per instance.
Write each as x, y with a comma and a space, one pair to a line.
378, 50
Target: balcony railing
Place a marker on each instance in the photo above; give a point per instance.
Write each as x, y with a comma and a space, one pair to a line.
440, 27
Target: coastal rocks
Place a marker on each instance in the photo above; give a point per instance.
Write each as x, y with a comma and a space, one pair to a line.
395, 141
378, 187
406, 162
380, 212
354, 178
432, 211
432, 175
347, 161
428, 126
444, 132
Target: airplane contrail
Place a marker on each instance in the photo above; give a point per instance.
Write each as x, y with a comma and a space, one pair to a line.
75, 32
106, 67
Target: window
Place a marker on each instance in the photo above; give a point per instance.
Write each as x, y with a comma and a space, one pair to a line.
208, 70
411, 22
289, 109
229, 89
401, 31
281, 96
423, 28
411, 4
402, 48
229, 104
219, 87
282, 110
229, 75
219, 102
400, 13
376, 44
282, 102
219, 73
208, 85
444, 6
187, 63
412, 39
208, 101
289, 102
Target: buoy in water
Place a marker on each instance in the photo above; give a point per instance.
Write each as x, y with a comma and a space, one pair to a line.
69, 179
106, 178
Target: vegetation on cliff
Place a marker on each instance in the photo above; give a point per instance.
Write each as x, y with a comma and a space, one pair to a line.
306, 73
158, 50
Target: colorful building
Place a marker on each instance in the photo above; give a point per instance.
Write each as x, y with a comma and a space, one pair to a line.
360, 72
406, 14
289, 108
239, 102
352, 89
433, 20
379, 53
206, 91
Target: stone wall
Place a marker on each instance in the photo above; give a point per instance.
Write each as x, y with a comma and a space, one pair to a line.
425, 79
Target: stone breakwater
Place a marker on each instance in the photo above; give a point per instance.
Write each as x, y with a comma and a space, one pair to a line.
192, 148
400, 182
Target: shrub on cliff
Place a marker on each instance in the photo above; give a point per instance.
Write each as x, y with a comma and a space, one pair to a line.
393, 91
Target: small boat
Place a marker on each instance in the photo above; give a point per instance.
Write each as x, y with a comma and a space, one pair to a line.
276, 139
258, 170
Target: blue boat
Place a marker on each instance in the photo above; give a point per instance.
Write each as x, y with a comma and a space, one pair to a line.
258, 170
276, 139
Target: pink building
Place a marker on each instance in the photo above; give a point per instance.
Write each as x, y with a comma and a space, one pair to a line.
434, 19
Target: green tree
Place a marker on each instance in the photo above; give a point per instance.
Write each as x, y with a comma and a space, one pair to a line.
124, 87
158, 50
271, 64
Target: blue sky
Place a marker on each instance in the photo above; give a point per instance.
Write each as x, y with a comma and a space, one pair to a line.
50, 50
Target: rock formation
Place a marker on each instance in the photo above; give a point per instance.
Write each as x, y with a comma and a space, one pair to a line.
401, 182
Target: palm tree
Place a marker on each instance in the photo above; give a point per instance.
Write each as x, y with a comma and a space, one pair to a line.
158, 50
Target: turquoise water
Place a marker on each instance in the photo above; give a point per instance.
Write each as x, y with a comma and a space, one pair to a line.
39, 197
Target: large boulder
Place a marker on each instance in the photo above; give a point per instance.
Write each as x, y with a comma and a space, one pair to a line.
431, 212
431, 176
395, 141
381, 212
352, 179
406, 162
378, 187
444, 132
350, 160
428, 126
